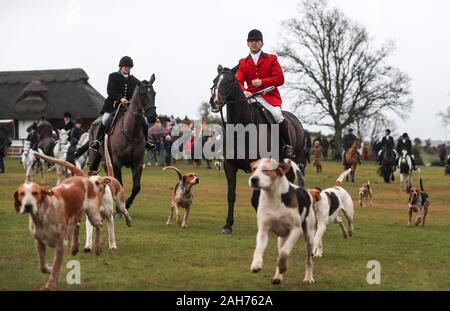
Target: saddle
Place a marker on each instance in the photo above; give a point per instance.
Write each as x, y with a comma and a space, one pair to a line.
265, 113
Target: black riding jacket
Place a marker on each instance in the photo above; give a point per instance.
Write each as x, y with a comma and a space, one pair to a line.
119, 87
404, 144
347, 141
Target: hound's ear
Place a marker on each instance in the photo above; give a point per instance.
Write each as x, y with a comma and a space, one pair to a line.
152, 79
219, 68
47, 191
283, 168
92, 173
183, 180
16, 201
107, 180
253, 164
318, 189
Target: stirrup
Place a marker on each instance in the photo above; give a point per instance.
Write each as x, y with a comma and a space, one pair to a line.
288, 151
95, 145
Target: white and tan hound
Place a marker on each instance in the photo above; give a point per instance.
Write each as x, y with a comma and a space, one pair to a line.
285, 209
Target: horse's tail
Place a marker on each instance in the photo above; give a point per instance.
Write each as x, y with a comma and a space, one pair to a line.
70, 166
420, 180
297, 171
341, 177
180, 176
108, 163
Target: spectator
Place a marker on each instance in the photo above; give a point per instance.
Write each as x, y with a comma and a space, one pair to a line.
325, 145
5, 142
442, 154
156, 133
317, 152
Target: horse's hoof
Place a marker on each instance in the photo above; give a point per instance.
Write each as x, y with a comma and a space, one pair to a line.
227, 231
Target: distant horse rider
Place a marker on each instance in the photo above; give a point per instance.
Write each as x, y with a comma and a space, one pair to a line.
388, 141
75, 135
33, 137
347, 142
68, 123
404, 143
121, 86
260, 70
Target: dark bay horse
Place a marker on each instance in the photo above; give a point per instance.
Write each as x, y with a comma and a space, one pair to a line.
126, 137
351, 158
386, 169
228, 93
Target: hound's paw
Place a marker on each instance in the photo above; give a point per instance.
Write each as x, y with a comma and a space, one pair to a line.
98, 250
256, 267
87, 249
184, 225
308, 280
46, 269
318, 254
276, 281
128, 221
112, 247
75, 250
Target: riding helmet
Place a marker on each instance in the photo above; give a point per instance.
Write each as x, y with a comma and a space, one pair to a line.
67, 114
255, 34
126, 61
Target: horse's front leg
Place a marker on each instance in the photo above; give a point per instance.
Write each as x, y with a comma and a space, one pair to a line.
230, 172
137, 172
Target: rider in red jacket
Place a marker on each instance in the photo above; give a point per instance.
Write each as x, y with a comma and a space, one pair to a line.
258, 71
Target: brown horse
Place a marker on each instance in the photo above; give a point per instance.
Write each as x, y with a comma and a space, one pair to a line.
351, 158
126, 137
239, 111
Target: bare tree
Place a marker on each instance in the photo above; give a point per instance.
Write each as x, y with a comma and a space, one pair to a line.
339, 77
205, 113
445, 117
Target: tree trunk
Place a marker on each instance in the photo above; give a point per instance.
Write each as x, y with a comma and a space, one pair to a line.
338, 141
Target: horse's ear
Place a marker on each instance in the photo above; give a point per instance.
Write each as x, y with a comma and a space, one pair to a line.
219, 68
152, 79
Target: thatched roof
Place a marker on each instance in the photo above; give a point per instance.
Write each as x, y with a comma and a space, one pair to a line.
50, 93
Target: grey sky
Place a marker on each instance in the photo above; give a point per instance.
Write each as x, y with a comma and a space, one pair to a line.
182, 42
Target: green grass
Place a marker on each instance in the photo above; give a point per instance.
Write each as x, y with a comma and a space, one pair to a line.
154, 256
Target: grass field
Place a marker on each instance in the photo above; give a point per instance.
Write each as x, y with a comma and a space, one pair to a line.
154, 256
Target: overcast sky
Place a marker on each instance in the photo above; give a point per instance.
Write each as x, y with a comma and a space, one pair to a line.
182, 42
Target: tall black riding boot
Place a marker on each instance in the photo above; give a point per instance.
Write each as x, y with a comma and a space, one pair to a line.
287, 150
95, 145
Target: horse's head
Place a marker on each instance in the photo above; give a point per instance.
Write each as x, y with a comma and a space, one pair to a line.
223, 86
357, 143
144, 97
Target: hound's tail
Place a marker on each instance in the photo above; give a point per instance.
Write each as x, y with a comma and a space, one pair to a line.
297, 171
66, 164
108, 163
180, 176
420, 180
341, 177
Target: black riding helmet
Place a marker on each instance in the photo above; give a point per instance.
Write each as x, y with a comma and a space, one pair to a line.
405, 135
126, 61
255, 34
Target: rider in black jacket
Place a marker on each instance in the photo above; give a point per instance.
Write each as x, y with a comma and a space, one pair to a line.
387, 140
404, 143
347, 142
75, 134
121, 85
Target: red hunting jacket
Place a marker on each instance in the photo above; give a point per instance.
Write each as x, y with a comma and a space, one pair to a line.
267, 69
